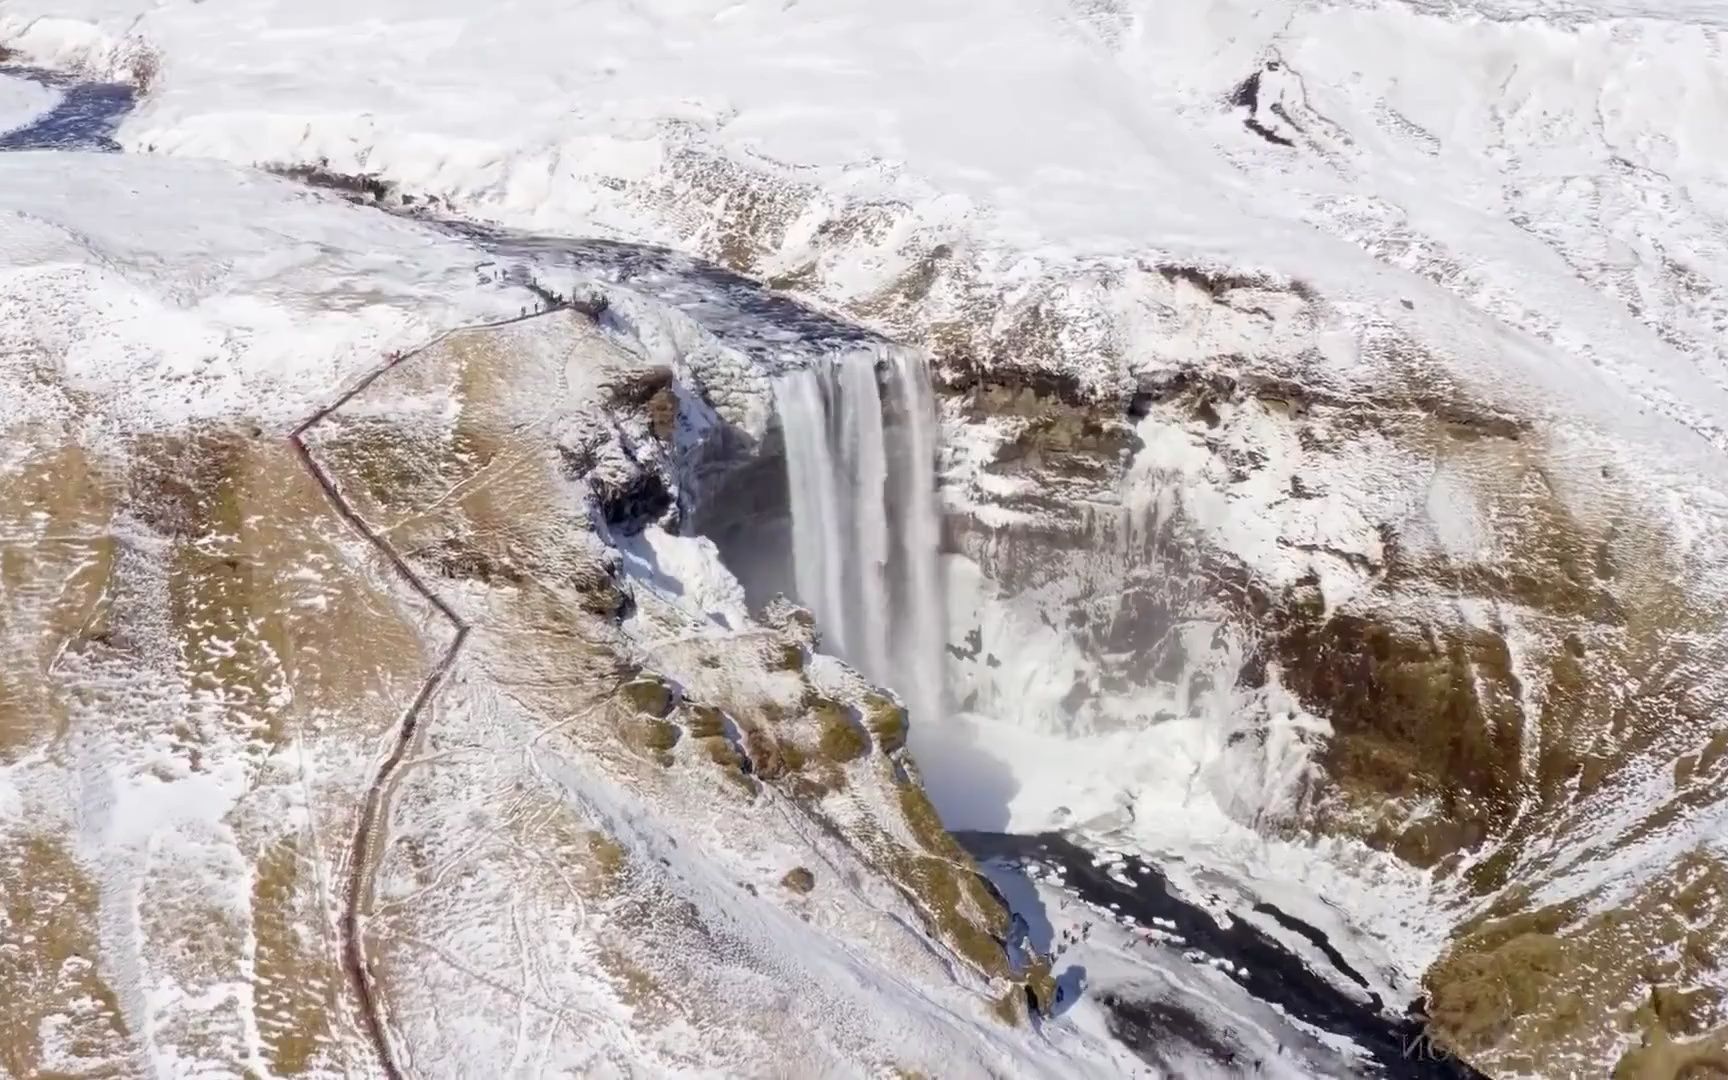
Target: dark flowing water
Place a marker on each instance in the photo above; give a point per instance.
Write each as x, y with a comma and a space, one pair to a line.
1397, 1044
85, 117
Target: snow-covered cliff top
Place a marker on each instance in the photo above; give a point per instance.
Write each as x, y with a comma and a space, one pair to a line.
1538, 180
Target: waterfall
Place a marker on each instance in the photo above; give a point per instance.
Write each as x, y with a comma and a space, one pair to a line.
860, 468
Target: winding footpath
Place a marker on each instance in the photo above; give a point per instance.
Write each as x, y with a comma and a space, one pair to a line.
364, 848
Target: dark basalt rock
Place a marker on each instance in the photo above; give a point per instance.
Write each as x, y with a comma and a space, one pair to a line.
634, 388
1159, 1031
632, 504
358, 187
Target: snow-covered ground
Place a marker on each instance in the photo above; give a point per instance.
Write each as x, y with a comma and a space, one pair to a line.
1534, 202
1530, 191
22, 101
183, 760
267, 298
1546, 192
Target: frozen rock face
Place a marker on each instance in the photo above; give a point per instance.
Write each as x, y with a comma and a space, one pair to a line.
1320, 639
1470, 659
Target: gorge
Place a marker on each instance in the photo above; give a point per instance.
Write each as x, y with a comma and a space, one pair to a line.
1255, 497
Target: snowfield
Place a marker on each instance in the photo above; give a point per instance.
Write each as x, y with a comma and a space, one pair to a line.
22, 101
1521, 205
1544, 214
1552, 204
264, 302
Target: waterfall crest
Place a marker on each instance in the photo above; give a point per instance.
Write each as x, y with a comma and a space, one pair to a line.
860, 437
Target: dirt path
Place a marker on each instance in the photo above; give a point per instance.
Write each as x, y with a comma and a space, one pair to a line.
367, 842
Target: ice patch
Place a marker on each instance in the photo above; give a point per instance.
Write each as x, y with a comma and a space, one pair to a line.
23, 101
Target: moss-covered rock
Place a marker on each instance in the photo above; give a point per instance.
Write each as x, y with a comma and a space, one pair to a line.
886, 720
799, 879
702, 721
706, 725
963, 909
648, 694
1010, 1008
842, 738
787, 656
1418, 712
1041, 984
659, 735
1478, 991
1662, 1058
1556, 990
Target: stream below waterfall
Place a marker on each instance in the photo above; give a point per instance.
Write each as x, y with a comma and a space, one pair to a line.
80, 115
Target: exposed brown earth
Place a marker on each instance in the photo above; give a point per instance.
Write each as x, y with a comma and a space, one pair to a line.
1478, 749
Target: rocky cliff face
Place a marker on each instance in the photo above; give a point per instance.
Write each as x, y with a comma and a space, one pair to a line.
1384, 624
1467, 647
1444, 653
1478, 643
1411, 622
